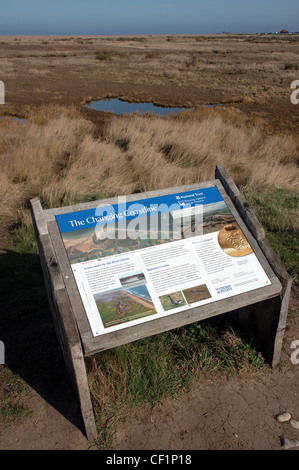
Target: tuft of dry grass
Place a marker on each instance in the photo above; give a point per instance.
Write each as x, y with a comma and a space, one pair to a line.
56, 156
34, 154
166, 153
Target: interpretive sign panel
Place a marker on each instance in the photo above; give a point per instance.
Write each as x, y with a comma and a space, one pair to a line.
138, 261
121, 269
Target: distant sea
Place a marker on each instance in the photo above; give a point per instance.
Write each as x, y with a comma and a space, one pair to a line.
140, 291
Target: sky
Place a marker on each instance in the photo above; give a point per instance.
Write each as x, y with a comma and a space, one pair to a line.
119, 17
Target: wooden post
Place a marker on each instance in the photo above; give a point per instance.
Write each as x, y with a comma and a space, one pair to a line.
269, 318
64, 321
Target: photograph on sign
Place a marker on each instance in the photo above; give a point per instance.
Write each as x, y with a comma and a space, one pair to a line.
138, 261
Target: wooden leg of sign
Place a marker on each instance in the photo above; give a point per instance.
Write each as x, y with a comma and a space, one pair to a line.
64, 321
282, 301
268, 318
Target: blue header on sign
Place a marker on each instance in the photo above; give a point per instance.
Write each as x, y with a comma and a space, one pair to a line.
129, 210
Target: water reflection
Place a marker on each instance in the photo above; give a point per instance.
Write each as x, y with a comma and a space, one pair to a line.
117, 106
15, 118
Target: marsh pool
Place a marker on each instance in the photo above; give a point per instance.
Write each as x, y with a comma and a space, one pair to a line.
118, 106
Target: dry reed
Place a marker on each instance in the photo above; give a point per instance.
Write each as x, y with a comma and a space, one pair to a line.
55, 156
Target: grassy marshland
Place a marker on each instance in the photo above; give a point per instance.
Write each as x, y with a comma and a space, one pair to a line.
57, 156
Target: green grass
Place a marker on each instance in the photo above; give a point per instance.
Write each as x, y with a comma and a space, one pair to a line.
21, 283
277, 210
12, 391
26, 326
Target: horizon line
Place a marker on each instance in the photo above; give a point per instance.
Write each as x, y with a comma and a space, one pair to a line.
147, 34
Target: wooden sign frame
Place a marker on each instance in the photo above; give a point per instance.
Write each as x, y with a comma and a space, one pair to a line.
263, 310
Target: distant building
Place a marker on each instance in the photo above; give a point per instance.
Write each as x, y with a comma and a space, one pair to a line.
284, 31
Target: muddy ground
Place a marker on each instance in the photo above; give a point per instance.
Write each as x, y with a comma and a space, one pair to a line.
219, 413
251, 73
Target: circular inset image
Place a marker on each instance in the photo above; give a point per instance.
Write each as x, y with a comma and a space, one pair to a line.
233, 241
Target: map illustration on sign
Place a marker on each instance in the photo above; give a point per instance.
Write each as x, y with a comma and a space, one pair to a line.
137, 261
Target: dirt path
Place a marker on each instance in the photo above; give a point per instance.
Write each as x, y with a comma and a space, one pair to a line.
218, 414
